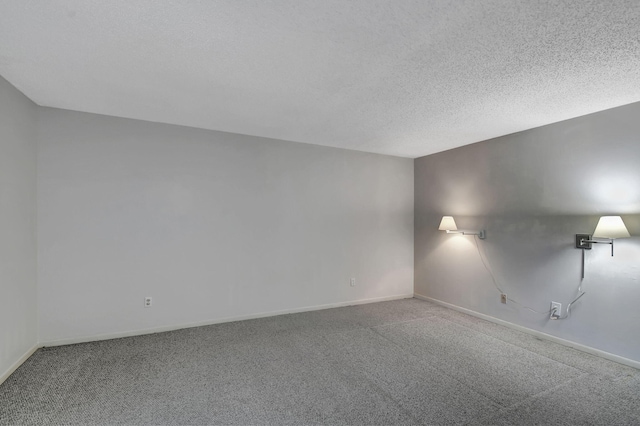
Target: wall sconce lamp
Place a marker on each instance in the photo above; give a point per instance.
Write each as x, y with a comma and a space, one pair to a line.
608, 229
449, 224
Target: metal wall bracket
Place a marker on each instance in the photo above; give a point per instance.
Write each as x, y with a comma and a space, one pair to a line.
582, 241
481, 234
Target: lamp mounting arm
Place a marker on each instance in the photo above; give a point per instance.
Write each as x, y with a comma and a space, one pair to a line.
481, 234
584, 242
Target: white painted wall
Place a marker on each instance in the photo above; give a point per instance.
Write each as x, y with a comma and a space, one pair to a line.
18, 315
532, 192
211, 225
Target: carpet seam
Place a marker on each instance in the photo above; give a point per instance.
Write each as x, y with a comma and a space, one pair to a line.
517, 346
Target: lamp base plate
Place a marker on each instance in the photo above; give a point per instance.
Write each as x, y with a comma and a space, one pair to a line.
580, 241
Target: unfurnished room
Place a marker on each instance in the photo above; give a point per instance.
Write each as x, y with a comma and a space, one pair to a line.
319, 212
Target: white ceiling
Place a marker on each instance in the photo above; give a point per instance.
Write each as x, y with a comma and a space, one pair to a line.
398, 77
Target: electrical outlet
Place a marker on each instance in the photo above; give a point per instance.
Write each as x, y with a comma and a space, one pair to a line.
556, 310
147, 302
503, 298
352, 282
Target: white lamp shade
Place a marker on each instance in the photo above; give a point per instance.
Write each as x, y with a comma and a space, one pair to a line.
447, 224
611, 227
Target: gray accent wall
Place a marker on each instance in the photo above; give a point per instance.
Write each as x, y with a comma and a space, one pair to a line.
532, 192
18, 315
211, 225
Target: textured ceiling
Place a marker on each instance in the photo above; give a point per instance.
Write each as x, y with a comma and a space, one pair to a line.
397, 77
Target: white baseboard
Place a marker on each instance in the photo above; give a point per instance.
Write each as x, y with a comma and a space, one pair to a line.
539, 334
18, 363
107, 336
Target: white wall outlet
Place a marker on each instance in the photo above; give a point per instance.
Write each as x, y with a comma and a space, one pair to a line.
148, 302
352, 282
556, 310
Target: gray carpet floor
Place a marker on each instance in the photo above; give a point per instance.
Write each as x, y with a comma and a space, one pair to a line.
403, 362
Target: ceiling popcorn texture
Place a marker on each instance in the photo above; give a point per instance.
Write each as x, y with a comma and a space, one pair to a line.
398, 77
